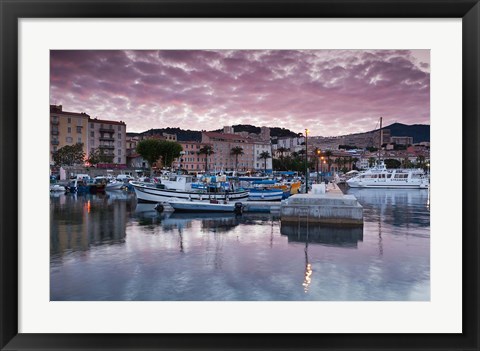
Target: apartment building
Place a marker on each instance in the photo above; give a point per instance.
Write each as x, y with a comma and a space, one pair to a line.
258, 149
67, 128
222, 145
109, 136
401, 140
191, 160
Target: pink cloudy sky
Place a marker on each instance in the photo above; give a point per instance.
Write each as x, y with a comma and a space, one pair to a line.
330, 92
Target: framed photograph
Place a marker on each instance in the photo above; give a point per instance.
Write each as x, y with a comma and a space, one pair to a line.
168, 130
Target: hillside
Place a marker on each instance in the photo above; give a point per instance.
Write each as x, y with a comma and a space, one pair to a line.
274, 131
419, 132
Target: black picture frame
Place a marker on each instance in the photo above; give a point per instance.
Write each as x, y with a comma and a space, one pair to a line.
11, 11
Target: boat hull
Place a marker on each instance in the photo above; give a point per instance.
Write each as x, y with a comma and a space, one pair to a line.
387, 185
189, 206
154, 195
267, 195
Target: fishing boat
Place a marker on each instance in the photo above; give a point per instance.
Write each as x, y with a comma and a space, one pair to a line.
263, 194
182, 187
57, 187
267, 190
202, 206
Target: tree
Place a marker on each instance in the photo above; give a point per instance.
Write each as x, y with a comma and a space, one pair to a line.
69, 155
392, 163
355, 160
371, 161
236, 151
282, 150
206, 150
170, 151
329, 154
99, 155
421, 162
152, 149
265, 155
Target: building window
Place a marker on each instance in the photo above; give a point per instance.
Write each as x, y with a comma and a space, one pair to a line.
92, 134
69, 130
92, 142
119, 152
119, 128
91, 125
69, 139
69, 120
79, 130
79, 140
119, 144
119, 160
54, 149
119, 135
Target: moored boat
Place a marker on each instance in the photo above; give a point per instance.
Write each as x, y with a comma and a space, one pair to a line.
181, 187
202, 206
382, 178
265, 194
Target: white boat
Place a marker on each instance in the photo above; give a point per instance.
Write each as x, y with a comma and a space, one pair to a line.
57, 188
202, 206
383, 178
114, 185
180, 187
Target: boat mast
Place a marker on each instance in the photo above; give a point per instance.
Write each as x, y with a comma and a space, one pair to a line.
381, 139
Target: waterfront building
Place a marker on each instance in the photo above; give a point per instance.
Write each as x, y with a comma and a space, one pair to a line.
222, 145
292, 144
401, 140
67, 128
191, 160
109, 136
134, 160
258, 148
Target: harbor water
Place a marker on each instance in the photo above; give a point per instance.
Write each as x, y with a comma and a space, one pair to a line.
106, 247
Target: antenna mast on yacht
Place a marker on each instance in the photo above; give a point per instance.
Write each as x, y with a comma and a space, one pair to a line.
381, 139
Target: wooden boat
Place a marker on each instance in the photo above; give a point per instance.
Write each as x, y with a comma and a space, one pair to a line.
202, 206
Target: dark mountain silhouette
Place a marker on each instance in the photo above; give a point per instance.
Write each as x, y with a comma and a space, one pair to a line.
419, 132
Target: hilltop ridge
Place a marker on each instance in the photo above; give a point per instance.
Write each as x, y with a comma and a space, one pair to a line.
419, 132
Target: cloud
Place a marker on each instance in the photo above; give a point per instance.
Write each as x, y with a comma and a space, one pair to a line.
330, 92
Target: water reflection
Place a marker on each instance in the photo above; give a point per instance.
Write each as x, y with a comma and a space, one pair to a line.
320, 234
398, 207
80, 221
106, 247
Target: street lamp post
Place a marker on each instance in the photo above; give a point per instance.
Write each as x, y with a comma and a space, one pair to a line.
321, 167
306, 161
318, 160
180, 161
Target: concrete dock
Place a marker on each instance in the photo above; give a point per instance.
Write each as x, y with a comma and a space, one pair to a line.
322, 206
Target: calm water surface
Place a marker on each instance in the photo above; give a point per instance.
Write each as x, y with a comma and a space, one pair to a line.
108, 247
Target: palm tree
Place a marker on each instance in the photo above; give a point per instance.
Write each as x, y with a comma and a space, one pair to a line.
265, 155
329, 154
355, 160
349, 162
421, 161
282, 150
207, 150
236, 151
